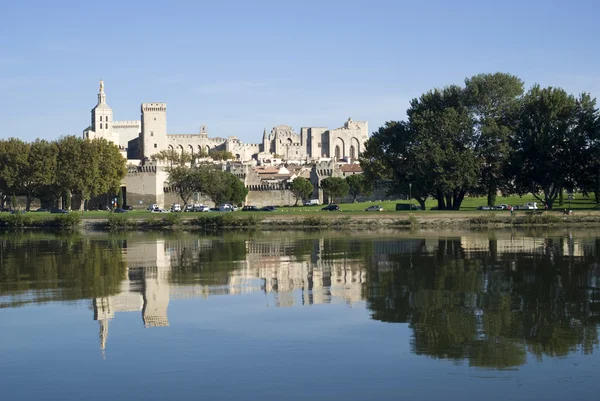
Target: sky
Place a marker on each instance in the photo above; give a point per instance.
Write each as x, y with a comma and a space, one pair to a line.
242, 66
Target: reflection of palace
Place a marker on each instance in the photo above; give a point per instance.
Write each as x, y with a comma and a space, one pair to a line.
269, 267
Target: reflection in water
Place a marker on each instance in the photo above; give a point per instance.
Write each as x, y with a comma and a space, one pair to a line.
491, 301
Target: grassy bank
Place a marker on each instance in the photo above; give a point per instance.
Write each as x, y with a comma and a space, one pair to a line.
60, 221
374, 221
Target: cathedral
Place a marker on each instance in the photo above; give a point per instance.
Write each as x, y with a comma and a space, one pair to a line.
141, 139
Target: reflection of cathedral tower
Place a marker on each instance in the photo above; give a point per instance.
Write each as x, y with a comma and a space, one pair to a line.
103, 312
156, 298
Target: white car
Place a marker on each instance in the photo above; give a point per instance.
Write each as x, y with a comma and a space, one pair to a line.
201, 208
152, 207
374, 208
176, 207
159, 210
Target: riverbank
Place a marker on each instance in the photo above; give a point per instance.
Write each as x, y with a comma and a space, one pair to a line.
284, 221
372, 221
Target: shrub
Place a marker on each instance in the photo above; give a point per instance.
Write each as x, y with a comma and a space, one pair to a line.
118, 221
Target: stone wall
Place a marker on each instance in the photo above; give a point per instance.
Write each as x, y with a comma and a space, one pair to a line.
267, 198
145, 184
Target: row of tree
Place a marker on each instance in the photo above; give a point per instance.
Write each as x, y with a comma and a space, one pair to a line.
49, 170
488, 136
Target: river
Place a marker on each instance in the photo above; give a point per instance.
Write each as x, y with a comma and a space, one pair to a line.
495, 315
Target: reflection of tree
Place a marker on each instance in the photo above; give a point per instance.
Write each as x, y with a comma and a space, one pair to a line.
481, 310
68, 268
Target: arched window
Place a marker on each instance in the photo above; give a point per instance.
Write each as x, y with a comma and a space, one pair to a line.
100, 125
106, 125
100, 118
337, 152
352, 152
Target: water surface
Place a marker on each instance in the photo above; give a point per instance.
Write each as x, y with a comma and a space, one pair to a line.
272, 316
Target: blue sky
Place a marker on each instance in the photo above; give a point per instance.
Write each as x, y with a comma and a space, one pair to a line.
241, 66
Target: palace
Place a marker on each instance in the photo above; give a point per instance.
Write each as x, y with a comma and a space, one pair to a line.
141, 139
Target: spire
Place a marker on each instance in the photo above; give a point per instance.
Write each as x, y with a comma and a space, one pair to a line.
265, 134
103, 333
101, 94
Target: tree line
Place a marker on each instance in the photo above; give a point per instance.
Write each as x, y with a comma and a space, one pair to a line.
53, 170
486, 137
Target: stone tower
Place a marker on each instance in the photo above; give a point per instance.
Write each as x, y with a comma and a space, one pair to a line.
102, 117
153, 138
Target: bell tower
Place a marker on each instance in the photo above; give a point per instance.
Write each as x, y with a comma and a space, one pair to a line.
102, 117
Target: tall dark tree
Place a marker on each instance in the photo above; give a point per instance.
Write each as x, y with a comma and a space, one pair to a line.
334, 187
301, 188
551, 142
359, 184
492, 100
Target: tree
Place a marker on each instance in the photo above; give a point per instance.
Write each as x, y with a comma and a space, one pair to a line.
358, 184
41, 171
334, 187
301, 188
221, 155
173, 157
433, 150
491, 100
223, 187
551, 142
89, 168
184, 181
14, 155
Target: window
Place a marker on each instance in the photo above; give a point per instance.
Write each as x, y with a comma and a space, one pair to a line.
100, 125
100, 118
155, 146
151, 133
106, 125
319, 144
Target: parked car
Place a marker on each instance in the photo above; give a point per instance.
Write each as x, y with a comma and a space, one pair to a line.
159, 210
120, 210
311, 202
269, 209
61, 211
189, 208
214, 209
176, 207
331, 208
374, 208
503, 206
249, 208
41, 209
485, 207
152, 207
201, 208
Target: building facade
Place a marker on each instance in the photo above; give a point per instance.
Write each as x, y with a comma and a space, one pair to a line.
141, 139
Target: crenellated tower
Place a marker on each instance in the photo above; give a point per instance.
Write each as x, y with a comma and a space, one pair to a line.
153, 138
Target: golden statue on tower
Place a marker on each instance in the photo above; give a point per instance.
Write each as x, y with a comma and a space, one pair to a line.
101, 85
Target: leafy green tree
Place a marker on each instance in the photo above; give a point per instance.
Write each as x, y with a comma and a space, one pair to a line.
551, 142
173, 157
492, 100
41, 170
184, 181
334, 187
387, 159
433, 150
301, 188
358, 184
221, 155
14, 155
